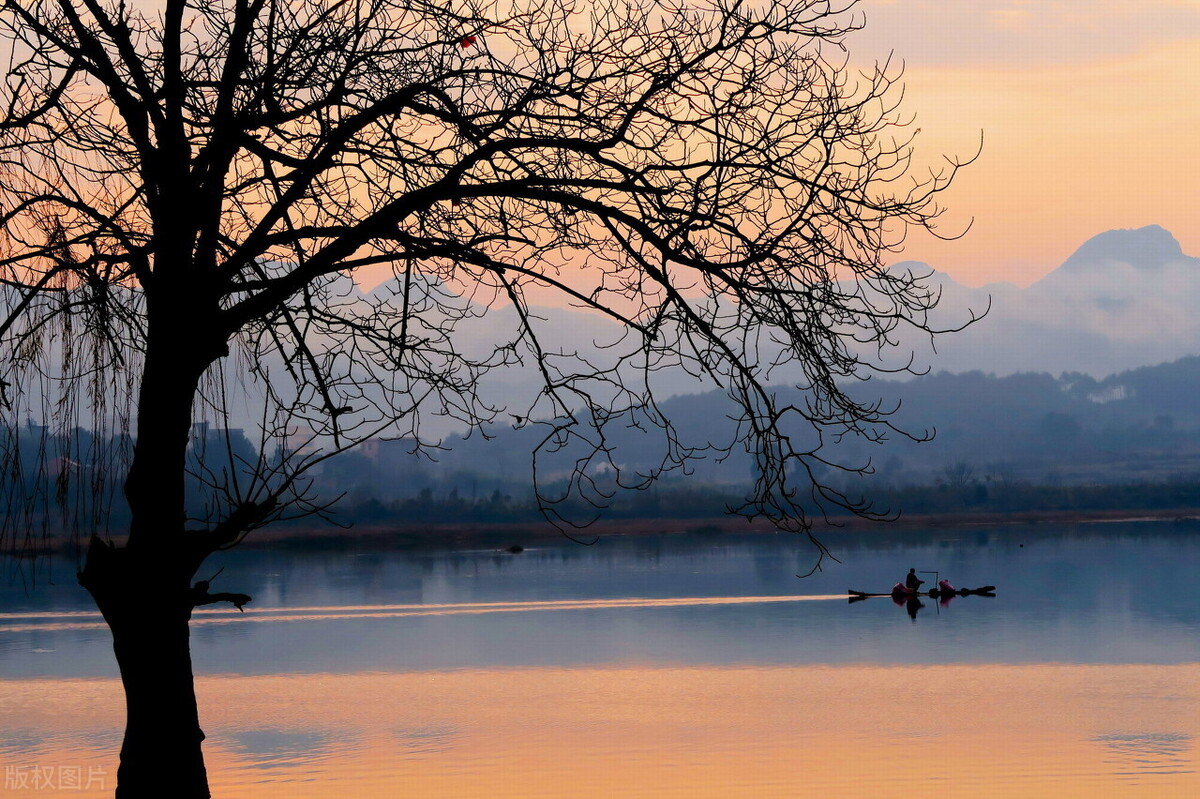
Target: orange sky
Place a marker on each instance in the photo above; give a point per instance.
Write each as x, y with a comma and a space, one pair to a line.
1089, 113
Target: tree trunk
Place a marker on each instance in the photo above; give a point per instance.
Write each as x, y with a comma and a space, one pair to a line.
144, 588
147, 607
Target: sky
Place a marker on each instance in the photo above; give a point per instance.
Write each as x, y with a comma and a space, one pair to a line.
1089, 110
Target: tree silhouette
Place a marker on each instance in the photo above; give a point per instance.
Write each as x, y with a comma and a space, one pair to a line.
187, 189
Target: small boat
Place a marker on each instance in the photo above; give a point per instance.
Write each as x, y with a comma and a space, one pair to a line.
987, 590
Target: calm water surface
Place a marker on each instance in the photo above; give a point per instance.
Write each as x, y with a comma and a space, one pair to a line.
683, 665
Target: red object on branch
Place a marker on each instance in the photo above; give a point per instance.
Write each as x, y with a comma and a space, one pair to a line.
467, 41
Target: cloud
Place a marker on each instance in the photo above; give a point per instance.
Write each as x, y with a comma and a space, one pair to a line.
1020, 31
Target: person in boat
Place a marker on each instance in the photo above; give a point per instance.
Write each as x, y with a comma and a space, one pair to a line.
912, 582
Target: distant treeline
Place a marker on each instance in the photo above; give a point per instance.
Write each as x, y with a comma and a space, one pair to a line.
706, 503
1021, 443
699, 502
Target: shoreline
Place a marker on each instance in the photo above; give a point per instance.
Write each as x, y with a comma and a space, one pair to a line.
465, 534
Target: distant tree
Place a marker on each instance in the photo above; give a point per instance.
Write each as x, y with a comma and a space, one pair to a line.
187, 188
1005, 474
959, 475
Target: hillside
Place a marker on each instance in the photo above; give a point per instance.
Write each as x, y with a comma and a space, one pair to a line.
1138, 425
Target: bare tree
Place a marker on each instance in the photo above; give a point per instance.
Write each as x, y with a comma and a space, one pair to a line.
188, 187
959, 475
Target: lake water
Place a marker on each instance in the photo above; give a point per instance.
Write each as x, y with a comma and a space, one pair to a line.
675, 665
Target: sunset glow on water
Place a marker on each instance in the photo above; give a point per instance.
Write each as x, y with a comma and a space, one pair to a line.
989, 730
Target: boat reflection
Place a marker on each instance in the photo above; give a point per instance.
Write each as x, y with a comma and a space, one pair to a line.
912, 604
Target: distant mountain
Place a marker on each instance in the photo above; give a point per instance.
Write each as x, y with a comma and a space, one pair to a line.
1124, 299
1088, 376
1141, 425
1147, 249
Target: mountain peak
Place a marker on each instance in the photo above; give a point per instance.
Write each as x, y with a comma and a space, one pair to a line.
919, 269
1150, 247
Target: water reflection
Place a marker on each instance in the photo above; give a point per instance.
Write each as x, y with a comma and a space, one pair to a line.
1149, 753
911, 604
999, 731
275, 748
423, 741
731, 600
